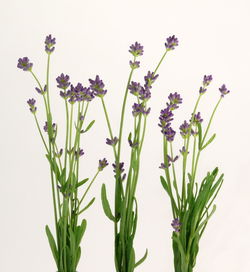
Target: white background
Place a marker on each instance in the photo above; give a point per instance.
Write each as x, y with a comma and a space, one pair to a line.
93, 38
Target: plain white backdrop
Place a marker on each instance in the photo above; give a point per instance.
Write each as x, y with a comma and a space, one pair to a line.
93, 38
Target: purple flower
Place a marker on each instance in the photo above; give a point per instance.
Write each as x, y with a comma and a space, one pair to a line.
112, 142
163, 166
136, 49
174, 100
63, 81
171, 43
196, 119
49, 44
97, 86
150, 79
59, 154
170, 159
185, 129
207, 80
169, 133
134, 88
139, 109
119, 168
166, 117
102, 164
134, 64
82, 93
223, 89
31, 102
24, 64
45, 127
79, 153
132, 144
183, 151
176, 224
65, 94
144, 93
41, 91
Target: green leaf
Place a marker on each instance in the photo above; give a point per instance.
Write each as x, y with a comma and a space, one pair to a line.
80, 230
142, 259
131, 264
105, 204
82, 182
89, 126
87, 206
78, 255
52, 244
208, 142
164, 184
199, 135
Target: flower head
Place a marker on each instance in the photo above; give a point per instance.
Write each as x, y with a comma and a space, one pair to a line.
144, 93
31, 102
139, 109
79, 153
172, 159
41, 91
134, 88
112, 142
174, 100
45, 127
169, 133
136, 49
49, 44
183, 151
171, 43
185, 129
134, 64
150, 79
163, 166
223, 89
196, 119
102, 164
176, 224
24, 64
207, 80
63, 81
166, 117
97, 86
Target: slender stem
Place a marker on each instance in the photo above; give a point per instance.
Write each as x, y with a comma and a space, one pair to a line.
40, 132
162, 58
67, 135
47, 81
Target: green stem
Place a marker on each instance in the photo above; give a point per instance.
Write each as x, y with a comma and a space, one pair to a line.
40, 132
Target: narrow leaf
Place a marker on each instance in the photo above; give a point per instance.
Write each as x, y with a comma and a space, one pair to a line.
199, 135
89, 126
52, 244
105, 204
208, 142
82, 182
87, 206
142, 259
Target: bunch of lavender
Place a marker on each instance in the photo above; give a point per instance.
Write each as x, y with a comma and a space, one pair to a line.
192, 203
125, 212
64, 163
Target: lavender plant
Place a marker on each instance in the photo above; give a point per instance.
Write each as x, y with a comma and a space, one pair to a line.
191, 200
64, 162
125, 214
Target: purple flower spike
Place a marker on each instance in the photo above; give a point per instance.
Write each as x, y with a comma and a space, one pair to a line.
24, 64
163, 166
119, 168
171, 43
45, 127
134, 64
31, 102
102, 164
170, 159
41, 91
150, 79
145, 94
202, 90
97, 86
207, 80
139, 109
79, 153
197, 119
63, 81
112, 142
223, 89
134, 88
166, 117
174, 99
49, 44
183, 151
184, 129
136, 49
176, 224
169, 134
